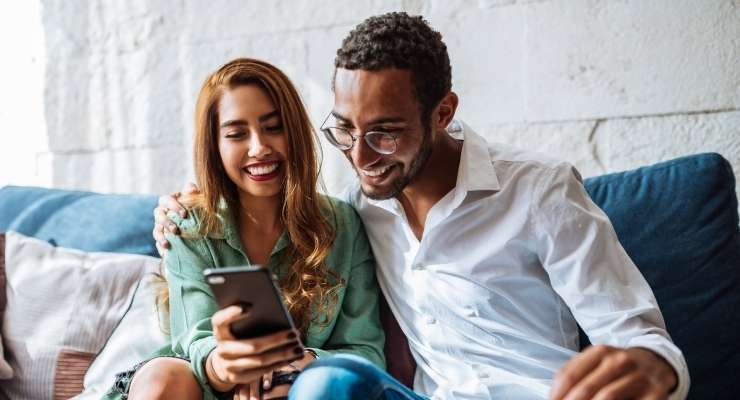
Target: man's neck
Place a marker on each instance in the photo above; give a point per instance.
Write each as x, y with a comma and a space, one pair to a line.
437, 178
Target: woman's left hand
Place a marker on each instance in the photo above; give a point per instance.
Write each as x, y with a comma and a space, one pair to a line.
282, 390
252, 391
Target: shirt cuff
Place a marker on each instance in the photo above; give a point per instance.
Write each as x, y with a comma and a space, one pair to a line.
199, 352
673, 356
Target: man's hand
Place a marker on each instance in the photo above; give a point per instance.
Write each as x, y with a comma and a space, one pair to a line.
162, 223
605, 372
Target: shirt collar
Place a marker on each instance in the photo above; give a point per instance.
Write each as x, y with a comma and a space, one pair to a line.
476, 172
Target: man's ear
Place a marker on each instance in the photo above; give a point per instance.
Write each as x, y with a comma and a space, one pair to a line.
445, 112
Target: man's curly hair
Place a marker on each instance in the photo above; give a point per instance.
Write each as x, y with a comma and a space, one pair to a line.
399, 40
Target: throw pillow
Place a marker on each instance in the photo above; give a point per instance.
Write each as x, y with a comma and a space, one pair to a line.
62, 306
135, 339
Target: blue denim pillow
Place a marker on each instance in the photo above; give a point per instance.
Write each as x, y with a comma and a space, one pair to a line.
80, 220
678, 221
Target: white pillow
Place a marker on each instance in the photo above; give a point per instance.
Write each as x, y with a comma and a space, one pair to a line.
136, 337
62, 306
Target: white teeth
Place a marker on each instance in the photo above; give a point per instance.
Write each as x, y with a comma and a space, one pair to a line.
377, 171
263, 169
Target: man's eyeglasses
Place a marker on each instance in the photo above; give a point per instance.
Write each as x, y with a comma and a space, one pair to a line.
342, 138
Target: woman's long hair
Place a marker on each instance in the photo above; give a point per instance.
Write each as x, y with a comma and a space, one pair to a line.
309, 288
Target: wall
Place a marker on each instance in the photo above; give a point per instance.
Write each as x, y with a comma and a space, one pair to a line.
607, 84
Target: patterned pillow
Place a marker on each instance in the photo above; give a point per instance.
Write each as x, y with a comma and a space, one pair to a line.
62, 306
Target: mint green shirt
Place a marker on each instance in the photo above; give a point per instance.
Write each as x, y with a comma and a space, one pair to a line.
353, 328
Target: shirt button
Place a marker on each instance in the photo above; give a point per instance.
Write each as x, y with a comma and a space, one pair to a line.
417, 267
430, 320
469, 312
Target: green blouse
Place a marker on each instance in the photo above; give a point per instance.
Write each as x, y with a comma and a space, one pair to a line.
353, 328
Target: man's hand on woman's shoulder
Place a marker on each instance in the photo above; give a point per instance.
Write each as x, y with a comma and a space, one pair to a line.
162, 223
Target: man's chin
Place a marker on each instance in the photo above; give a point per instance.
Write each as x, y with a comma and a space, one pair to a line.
383, 192
377, 193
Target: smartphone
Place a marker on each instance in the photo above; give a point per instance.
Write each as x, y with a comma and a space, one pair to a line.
254, 288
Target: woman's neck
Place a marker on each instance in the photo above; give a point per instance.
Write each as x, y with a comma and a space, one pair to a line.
260, 214
259, 226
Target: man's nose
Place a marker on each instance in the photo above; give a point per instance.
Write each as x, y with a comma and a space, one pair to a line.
362, 154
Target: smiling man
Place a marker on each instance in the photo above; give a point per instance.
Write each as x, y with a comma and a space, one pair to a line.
490, 257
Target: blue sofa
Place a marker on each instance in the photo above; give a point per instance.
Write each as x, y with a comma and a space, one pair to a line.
677, 219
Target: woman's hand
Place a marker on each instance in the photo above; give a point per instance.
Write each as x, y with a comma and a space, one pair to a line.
271, 391
247, 360
162, 223
251, 391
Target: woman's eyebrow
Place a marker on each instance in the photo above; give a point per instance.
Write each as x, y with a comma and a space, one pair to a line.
234, 122
269, 115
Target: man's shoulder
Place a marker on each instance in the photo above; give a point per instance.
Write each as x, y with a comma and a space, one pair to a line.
517, 165
504, 156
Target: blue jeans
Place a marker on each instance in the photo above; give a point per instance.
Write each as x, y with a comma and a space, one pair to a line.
345, 377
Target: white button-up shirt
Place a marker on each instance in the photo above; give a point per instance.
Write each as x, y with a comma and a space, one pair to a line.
509, 260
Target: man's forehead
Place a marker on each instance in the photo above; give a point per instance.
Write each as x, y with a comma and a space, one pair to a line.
376, 76
380, 91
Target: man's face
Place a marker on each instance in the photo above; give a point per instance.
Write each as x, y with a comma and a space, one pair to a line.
382, 101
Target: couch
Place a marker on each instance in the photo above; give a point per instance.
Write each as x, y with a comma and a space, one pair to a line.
678, 220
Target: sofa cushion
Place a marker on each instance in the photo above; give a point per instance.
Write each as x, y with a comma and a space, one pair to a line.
678, 221
62, 306
80, 220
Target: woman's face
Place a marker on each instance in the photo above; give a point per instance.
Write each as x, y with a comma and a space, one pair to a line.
252, 142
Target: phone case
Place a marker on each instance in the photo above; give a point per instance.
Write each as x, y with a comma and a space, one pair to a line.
254, 289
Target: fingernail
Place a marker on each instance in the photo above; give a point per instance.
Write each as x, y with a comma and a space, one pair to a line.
297, 350
291, 335
265, 384
172, 227
183, 214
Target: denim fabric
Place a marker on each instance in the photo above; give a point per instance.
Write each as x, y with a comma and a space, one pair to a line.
344, 377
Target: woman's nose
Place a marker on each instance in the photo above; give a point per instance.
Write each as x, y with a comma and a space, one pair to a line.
258, 146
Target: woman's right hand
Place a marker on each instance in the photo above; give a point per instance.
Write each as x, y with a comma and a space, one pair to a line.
162, 223
244, 361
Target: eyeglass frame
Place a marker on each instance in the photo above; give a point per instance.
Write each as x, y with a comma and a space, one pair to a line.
330, 137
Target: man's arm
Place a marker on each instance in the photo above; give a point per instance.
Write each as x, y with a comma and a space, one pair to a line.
607, 295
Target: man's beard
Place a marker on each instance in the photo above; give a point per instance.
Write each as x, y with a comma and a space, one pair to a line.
425, 150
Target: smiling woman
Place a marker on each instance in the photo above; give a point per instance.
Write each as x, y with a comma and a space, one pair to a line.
257, 170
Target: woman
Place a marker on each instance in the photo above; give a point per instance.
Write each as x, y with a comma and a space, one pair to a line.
256, 167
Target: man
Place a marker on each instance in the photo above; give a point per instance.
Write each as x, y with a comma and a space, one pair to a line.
489, 257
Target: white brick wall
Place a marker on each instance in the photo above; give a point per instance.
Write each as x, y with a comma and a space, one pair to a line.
607, 84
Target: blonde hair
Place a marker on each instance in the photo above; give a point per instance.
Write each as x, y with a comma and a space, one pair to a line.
309, 287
